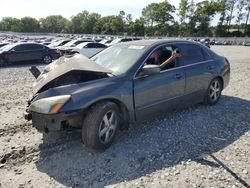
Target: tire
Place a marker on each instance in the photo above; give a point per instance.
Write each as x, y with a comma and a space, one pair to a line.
213, 93
3, 62
101, 125
47, 59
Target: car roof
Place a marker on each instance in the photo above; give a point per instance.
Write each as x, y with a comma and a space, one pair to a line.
152, 42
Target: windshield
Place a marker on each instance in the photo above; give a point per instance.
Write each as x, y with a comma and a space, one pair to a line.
116, 41
69, 44
81, 45
119, 58
54, 44
103, 41
7, 47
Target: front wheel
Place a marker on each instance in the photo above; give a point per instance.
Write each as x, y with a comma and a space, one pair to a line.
3, 62
213, 92
47, 59
100, 125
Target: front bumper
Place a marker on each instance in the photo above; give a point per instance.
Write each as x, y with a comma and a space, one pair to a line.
55, 122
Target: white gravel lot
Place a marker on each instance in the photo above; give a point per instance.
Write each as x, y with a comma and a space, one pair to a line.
201, 146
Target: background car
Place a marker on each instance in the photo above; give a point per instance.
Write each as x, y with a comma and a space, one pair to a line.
88, 48
206, 42
105, 41
59, 43
27, 52
3, 44
66, 48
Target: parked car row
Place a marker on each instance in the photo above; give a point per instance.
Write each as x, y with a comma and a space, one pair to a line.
46, 51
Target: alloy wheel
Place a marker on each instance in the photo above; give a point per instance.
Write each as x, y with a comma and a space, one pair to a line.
214, 90
108, 126
47, 59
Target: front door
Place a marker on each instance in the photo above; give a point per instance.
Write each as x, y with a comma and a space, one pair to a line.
154, 94
18, 53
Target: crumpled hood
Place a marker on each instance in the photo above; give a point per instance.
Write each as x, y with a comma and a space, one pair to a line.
64, 65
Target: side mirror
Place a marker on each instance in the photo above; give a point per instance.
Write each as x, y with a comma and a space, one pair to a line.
12, 50
151, 69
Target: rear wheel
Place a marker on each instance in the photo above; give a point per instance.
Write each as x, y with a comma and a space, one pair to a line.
100, 125
47, 59
3, 62
213, 92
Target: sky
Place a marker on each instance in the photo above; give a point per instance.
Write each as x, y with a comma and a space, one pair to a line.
68, 8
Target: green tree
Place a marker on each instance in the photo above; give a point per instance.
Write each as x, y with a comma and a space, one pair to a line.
240, 6
137, 27
183, 9
231, 7
183, 13
29, 24
192, 19
203, 14
85, 22
247, 8
10, 24
157, 17
54, 24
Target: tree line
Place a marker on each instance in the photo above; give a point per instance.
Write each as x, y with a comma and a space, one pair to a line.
157, 19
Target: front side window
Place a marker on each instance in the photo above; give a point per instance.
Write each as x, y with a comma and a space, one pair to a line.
19, 48
161, 55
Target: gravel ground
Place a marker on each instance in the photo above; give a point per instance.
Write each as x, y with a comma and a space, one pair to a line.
200, 146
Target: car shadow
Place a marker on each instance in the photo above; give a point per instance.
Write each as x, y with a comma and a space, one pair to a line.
163, 142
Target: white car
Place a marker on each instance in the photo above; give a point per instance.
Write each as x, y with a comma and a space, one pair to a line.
88, 48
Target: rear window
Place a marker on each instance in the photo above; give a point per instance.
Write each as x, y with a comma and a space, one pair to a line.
90, 45
191, 53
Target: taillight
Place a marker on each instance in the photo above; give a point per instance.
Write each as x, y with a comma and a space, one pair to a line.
57, 51
228, 64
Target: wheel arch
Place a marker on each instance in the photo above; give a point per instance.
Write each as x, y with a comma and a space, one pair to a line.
122, 107
221, 79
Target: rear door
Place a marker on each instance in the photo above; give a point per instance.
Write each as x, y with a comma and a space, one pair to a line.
198, 67
35, 51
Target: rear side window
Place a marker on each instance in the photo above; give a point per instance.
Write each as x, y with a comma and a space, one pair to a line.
36, 47
126, 40
191, 53
77, 42
64, 42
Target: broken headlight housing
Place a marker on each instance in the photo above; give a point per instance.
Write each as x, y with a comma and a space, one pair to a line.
50, 105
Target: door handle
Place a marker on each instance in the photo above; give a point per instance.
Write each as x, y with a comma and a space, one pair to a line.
178, 76
211, 67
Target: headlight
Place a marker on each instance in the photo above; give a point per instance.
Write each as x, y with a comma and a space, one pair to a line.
49, 105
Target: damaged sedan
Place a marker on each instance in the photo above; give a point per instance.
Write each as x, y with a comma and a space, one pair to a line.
122, 84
